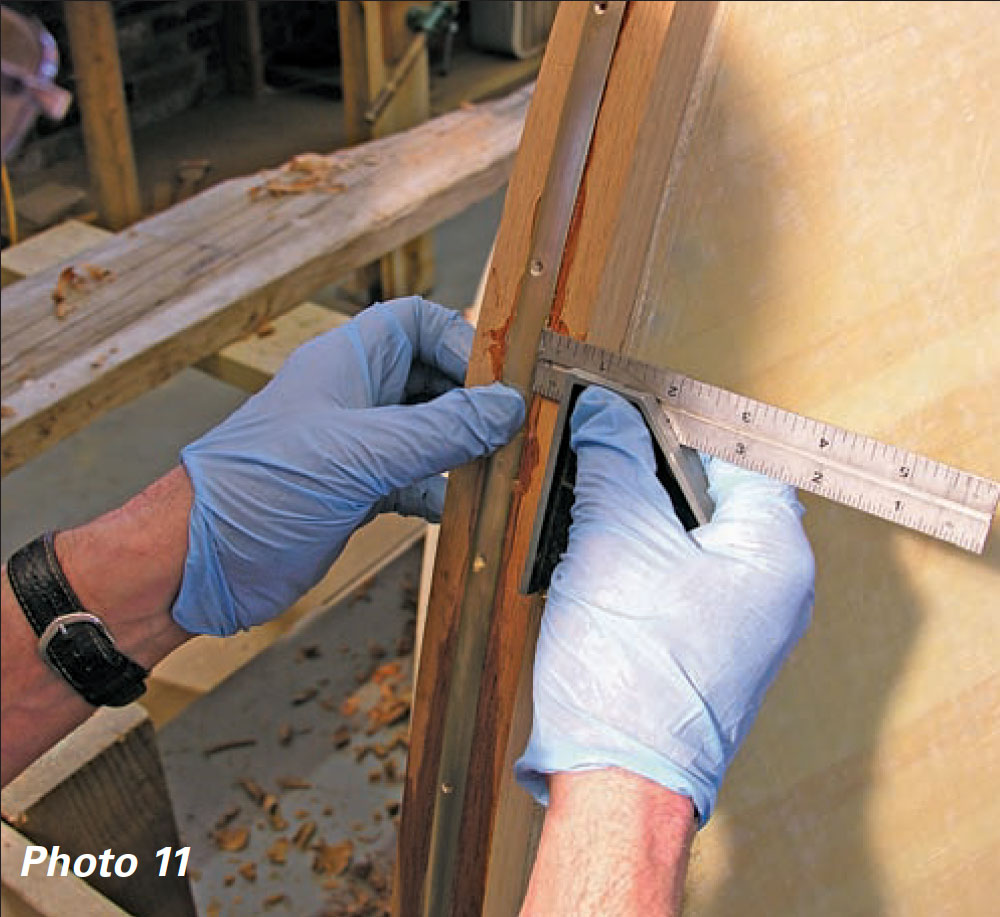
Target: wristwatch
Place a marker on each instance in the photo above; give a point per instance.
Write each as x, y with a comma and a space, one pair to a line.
74, 642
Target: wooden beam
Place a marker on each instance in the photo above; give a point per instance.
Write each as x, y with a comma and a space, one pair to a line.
203, 274
480, 631
374, 39
243, 51
103, 786
101, 97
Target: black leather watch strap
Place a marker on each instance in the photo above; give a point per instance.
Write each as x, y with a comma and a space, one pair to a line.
73, 641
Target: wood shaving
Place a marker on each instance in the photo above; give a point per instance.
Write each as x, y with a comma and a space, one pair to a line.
248, 871
72, 284
275, 899
294, 783
332, 859
226, 817
228, 880
387, 671
341, 737
228, 746
375, 776
277, 853
253, 789
350, 706
303, 173
304, 835
304, 696
232, 839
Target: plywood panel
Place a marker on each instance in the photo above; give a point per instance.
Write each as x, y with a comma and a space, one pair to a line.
832, 245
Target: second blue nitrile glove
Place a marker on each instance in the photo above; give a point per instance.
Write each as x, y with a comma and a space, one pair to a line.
281, 485
657, 645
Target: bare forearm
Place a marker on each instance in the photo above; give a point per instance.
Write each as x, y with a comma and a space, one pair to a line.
125, 567
613, 844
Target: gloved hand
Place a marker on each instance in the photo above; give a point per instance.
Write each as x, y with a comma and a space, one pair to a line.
657, 645
281, 485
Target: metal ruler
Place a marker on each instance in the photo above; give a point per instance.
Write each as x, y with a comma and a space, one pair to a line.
886, 481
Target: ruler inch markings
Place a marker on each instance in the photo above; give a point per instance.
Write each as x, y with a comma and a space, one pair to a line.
888, 481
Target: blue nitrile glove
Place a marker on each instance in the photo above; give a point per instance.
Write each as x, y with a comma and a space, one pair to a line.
281, 485
657, 645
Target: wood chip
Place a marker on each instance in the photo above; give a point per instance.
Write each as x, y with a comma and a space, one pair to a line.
341, 737
294, 783
375, 776
277, 853
228, 880
301, 813
272, 900
387, 672
266, 330
350, 706
304, 696
228, 746
253, 789
390, 771
226, 817
248, 871
304, 834
232, 839
332, 859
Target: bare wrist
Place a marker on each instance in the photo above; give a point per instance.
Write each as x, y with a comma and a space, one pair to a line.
613, 843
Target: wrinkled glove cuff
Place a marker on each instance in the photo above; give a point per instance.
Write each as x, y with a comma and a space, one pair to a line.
536, 764
204, 603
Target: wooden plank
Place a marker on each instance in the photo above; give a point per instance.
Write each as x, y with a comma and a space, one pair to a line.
57, 245
646, 97
201, 275
106, 133
251, 363
832, 246
103, 787
38, 895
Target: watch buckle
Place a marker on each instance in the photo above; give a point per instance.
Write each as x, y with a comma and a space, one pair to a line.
59, 625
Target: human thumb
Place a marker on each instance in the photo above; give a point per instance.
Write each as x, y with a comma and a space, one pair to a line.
409, 443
